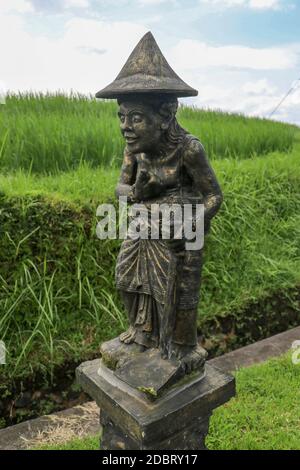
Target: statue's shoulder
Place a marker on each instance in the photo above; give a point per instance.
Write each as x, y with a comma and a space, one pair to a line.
193, 147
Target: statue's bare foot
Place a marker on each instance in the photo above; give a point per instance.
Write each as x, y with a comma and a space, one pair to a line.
129, 336
191, 358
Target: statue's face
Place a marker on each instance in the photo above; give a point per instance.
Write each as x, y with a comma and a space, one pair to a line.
141, 127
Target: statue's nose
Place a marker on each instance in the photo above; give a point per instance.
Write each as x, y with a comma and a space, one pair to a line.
126, 125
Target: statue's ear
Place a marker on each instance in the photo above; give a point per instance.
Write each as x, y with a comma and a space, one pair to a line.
165, 125
166, 121
167, 112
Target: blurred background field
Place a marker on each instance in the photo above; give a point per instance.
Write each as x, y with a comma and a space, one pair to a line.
59, 159
52, 133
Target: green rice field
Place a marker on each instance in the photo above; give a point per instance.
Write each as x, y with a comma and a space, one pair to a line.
49, 134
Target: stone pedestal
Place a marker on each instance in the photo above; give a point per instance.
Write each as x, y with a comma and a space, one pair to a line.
178, 420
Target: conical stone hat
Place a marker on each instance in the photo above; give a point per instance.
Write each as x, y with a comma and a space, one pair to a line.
147, 71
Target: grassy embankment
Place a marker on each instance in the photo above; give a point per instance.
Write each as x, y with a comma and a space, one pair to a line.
57, 295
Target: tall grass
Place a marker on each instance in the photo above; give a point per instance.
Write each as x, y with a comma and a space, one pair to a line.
46, 322
52, 133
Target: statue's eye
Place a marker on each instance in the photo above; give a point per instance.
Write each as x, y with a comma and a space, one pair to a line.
137, 118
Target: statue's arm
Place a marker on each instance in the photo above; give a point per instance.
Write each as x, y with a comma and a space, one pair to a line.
204, 178
125, 186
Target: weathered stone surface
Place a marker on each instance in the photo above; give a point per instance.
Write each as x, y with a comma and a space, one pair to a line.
149, 373
144, 369
178, 420
190, 438
116, 354
147, 71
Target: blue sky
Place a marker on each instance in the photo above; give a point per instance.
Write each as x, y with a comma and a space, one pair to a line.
242, 55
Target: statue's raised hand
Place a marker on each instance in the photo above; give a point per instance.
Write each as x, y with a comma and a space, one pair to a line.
147, 186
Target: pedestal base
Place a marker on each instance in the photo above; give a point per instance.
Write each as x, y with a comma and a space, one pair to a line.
191, 438
179, 420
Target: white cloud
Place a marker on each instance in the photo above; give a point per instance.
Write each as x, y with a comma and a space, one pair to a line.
248, 91
76, 4
86, 57
265, 4
253, 98
259, 87
252, 4
230, 77
191, 54
153, 2
3, 91
18, 6
225, 3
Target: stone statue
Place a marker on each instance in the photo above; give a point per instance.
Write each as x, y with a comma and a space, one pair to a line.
152, 384
158, 279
